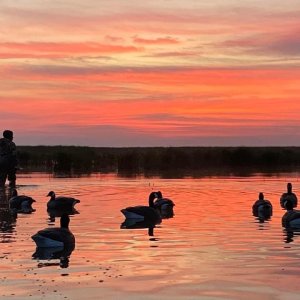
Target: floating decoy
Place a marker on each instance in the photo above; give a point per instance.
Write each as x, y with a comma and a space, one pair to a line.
291, 219
56, 236
289, 195
20, 203
143, 213
164, 206
61, 202
262, 208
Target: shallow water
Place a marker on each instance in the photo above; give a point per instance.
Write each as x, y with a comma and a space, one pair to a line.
213, 248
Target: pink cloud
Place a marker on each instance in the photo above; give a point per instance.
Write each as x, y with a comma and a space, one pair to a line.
56, 50
157, 41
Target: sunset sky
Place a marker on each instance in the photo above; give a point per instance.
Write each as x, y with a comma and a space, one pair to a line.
151, 73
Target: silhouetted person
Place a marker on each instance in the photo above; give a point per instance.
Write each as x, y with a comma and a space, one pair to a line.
289, 195
262, 208
8, 159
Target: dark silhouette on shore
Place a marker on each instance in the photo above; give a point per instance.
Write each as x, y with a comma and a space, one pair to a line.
8, 159
165, 161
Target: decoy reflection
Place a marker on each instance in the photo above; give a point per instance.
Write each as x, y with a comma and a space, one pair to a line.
57, 213
135, 224
51, 253
7, 219
289, 235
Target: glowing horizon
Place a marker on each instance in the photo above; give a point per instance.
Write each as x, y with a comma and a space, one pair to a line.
170, 73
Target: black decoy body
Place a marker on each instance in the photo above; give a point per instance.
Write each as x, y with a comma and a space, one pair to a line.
143, 213
164, 206
262, 208
61, 202
289, 195
20, 203
291, 219
56, 236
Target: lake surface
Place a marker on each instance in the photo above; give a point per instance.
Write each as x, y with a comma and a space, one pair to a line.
213, 248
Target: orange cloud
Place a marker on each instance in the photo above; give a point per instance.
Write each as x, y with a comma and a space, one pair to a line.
165, 102
55, 50
157, 41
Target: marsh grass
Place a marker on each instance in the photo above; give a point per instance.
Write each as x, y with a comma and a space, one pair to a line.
179, 161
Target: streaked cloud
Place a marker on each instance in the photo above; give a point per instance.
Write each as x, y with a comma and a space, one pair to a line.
156, 41
60, 50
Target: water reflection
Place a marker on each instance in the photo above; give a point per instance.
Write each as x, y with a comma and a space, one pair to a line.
290, 234
213, 231
7, 218
56, 213
135, 224
53, 253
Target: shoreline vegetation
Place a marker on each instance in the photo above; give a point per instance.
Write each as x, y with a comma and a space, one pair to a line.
174, 161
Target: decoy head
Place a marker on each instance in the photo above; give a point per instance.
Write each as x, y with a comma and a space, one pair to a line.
261, 196
289, 187
51, 194
159, 194
152, 196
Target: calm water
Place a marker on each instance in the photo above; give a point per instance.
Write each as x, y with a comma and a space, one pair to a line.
213, 248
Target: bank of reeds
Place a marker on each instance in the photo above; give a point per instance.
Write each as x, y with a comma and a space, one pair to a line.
151, 160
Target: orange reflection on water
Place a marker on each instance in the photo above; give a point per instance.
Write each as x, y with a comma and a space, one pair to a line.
213, 237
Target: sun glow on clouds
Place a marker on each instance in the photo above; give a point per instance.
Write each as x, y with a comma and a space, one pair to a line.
139, 74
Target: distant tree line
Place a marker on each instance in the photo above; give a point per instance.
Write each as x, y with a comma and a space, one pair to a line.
67, 159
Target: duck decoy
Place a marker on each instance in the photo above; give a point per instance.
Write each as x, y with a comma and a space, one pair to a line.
164, 206
61, 202
289, 195
20, 203
262, 208
291, 219
56, 236
143, 213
